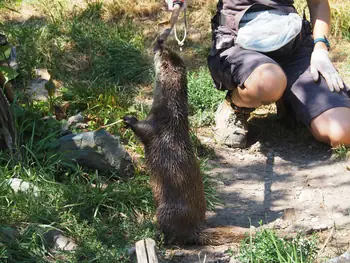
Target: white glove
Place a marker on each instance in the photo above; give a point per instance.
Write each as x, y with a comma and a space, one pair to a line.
170, 4
320, 63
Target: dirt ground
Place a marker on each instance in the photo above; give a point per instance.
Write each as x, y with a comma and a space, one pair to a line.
289, 183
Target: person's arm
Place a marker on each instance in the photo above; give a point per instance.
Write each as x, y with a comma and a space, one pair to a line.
320, 63
320, 13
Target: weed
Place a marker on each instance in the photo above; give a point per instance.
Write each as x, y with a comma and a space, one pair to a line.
211, 196
340, 16
138, 8
203, 97
342, 152
267, 247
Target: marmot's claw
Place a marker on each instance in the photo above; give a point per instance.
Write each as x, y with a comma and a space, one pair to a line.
129, 120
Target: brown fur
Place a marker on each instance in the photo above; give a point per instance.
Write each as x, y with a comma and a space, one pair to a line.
176, 181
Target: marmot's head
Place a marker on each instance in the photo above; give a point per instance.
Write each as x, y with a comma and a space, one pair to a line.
166, 60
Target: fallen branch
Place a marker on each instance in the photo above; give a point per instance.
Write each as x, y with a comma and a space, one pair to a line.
109, 125
330, 236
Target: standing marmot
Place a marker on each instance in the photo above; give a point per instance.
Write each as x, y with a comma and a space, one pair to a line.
176, 181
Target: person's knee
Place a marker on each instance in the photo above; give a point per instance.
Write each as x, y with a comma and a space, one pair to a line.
339, 133
333, 127
270, 82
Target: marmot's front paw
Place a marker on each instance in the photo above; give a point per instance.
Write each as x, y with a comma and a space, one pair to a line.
129, 121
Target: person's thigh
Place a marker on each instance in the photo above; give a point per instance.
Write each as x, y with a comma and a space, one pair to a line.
254, 78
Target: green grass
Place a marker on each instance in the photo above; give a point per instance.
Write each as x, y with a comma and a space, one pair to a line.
203, 97
342, 152
103, 213
267, 247
340, 16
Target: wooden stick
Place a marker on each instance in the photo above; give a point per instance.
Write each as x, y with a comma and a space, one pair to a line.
146, 251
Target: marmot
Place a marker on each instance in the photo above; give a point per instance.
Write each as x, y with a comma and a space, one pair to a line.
176, 181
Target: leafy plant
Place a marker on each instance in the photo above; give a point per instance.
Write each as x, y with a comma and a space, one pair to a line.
203, 97
267, 247
341, 152
6, 71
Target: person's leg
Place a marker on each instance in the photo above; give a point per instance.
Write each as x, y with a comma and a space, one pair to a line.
332, 126
253, 80
325, 113
264, 86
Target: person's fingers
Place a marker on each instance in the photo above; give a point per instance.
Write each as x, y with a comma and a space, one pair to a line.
335, 82
329, 82
314, 73
340, 81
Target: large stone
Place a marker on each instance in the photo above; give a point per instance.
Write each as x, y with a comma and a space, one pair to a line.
345, 258
19, 185
97, 150
36, 89
56, 240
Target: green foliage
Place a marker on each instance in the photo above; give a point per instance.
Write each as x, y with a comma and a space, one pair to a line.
340, 16
9, 3
103, 215
211, 197
82, 45
341, 19
6, 71
267, 247
203, 96
342, 152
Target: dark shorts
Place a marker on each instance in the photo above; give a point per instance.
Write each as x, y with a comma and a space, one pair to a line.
307, 99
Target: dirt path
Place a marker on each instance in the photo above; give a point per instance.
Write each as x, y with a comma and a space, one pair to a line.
291, 184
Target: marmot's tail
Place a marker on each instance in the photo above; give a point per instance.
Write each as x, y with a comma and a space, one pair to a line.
223, 235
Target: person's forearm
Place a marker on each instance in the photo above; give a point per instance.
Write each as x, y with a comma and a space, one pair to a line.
320, 19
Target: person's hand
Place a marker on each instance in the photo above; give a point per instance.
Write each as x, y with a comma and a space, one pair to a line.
320, 63
171, 3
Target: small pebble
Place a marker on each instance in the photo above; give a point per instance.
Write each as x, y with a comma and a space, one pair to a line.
131, 251
179, 254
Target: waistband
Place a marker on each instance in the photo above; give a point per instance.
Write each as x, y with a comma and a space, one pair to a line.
249, 16
229, 20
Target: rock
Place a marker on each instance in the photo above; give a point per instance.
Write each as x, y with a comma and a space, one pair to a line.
179, 254
56, 240
256, 147
345, 258
225, 259
39, 87
219, 254
233, 260
131, 251
8, 233
19, 185
73, 120
36, 89
81, 125
97, 150
13, 59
